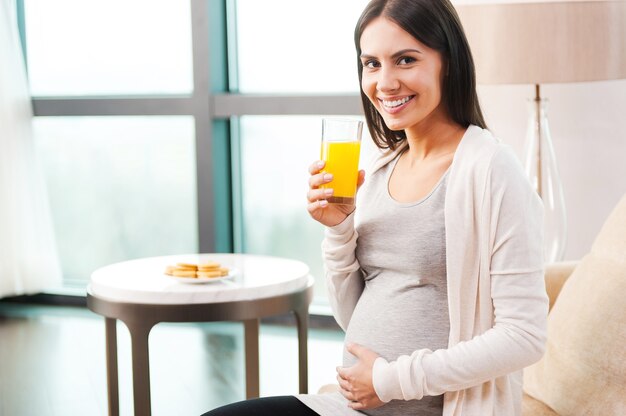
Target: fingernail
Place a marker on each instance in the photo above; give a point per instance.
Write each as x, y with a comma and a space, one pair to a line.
329, 191
320, 164
328, 177
323, 203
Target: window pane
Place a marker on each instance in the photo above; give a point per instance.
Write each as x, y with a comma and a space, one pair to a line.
275, 177
119, 187
112, 47
306, 47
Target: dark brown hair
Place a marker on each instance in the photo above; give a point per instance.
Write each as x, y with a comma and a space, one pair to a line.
436, 24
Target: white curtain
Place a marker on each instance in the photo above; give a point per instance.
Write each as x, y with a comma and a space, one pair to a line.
28, 259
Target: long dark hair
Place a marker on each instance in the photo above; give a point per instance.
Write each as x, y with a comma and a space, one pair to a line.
436, 24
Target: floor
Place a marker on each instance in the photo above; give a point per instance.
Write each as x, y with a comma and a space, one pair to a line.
52, 362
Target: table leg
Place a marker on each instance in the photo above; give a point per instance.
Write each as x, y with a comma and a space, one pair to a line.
251, 340
139, 332
302, 321
111, 360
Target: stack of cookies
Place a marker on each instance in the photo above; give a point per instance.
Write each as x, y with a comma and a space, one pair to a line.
192, 270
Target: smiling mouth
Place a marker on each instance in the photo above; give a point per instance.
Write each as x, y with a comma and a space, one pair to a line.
392, 105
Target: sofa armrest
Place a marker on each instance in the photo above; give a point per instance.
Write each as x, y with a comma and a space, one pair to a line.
555, 276
328, 388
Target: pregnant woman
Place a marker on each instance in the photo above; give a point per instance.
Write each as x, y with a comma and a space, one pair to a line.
436, 273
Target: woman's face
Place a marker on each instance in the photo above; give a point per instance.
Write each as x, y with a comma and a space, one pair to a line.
402, 77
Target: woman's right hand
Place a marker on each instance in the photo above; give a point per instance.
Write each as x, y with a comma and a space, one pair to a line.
319, 208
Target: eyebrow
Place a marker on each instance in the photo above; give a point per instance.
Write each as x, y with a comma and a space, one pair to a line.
395, 55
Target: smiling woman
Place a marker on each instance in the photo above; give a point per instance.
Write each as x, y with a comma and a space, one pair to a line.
435, 60
436, 272
421, 293
407, 79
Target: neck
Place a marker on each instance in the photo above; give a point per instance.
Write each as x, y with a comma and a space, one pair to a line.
438, 137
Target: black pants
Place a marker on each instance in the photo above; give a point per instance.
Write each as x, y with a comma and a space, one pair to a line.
265, 406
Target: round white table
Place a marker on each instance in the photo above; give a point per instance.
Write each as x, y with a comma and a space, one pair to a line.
138, 293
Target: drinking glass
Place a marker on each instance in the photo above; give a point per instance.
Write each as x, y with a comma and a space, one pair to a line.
341, 146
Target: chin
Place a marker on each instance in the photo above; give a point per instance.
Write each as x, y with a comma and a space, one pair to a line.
394, 125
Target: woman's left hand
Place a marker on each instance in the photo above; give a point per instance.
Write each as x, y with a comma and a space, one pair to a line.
356, 381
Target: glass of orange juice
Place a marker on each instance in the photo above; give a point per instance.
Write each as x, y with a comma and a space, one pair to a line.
341, 146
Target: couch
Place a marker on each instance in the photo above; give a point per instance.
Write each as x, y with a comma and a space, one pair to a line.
583, 371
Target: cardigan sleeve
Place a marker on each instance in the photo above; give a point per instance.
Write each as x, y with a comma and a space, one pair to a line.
343, 272
520, 305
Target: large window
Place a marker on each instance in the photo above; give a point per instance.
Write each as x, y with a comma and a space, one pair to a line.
117, 127
109, 47
307, 47
175, 126
119, 187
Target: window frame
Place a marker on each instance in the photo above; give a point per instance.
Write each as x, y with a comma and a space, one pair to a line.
216, 106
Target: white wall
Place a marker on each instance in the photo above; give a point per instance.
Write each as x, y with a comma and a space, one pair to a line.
586, 121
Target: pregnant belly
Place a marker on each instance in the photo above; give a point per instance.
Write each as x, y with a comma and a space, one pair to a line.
398, 321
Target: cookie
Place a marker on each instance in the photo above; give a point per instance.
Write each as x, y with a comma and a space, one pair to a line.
209, 266
184, 273
210, 269
215, 273
186, 266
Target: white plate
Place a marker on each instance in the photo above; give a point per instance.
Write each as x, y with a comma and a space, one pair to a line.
199, 280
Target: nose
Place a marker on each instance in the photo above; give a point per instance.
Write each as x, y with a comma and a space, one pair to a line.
388, 80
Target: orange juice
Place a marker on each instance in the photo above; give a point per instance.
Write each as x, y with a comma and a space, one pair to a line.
342, 160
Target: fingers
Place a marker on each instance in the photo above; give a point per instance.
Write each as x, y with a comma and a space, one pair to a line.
319, 194
357, 350
316, 167
355, 401
349, 396
314, 206
319, 179
345, 388
352, 348
344, 384
357, 405
360, 179
318, 197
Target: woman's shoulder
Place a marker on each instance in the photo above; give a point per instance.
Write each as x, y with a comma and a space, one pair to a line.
478, 143
483, 158
481, 147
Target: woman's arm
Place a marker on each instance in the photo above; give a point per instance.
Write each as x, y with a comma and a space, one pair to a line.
343, 272
342, 269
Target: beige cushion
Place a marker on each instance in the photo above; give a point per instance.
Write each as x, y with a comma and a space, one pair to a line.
533, 407
584, 369
556, 275
328, 388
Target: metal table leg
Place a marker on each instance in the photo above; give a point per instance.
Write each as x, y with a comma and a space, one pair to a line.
251, 340
139, 332
111, 360
302, 321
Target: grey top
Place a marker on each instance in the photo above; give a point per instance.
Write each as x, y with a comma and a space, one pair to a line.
402, 253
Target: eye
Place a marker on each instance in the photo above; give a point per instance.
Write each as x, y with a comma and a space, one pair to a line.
405, 60
371, 63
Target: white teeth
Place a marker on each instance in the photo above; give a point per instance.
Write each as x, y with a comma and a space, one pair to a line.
396, 103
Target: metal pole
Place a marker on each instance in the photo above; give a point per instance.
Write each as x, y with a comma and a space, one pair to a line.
539, 140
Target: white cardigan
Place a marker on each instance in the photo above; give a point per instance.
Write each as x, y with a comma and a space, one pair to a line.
496, 295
